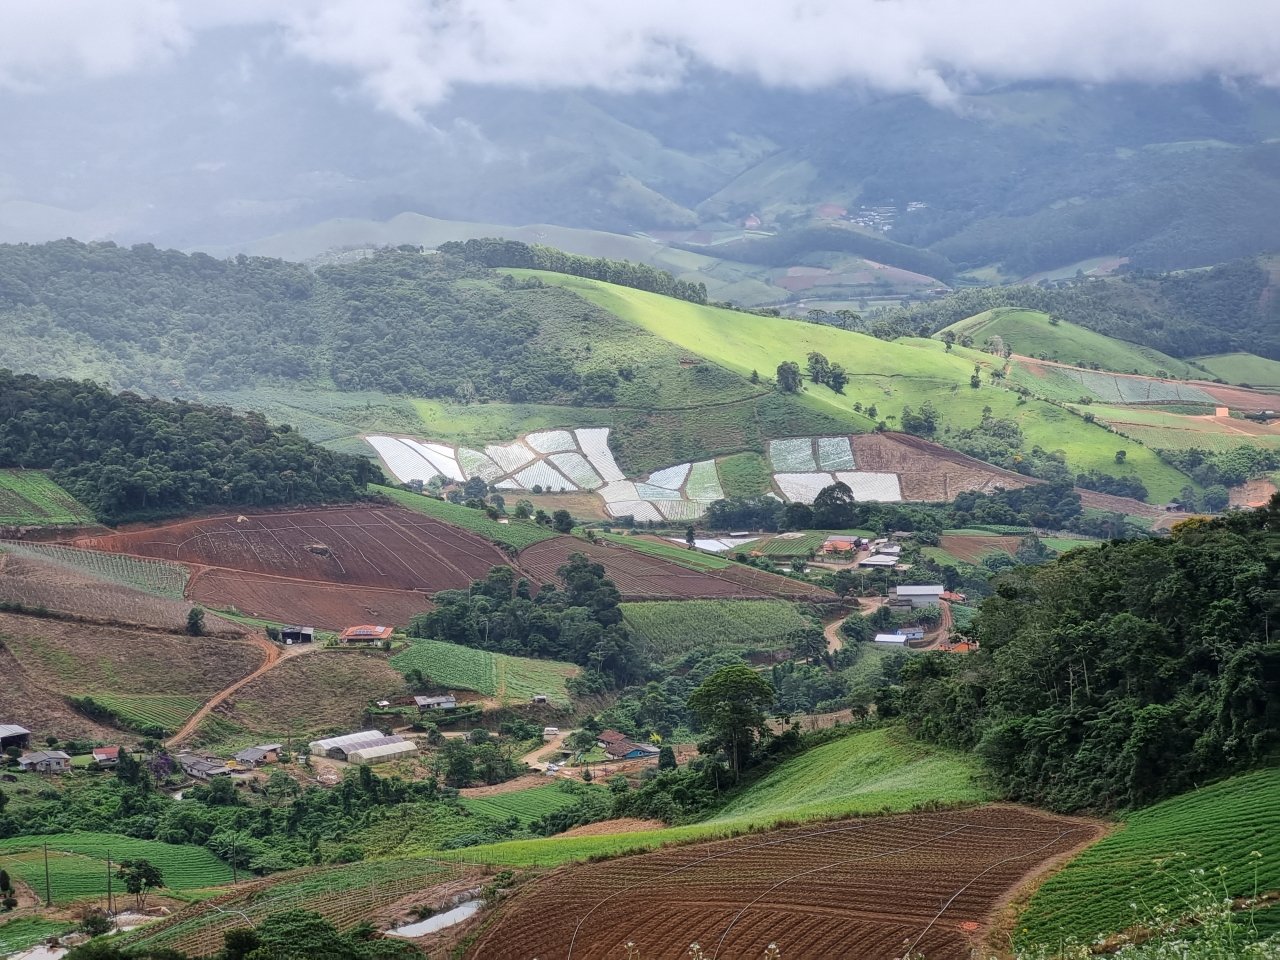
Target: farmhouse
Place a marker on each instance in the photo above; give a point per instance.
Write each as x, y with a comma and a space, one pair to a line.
12, 735
382, 752
911, 633
257, 756
45, 761
202, 768
627, 750
839, 544
427, 704
365, 633
919, 595
292, 635
890, 638
606, 737
106, 756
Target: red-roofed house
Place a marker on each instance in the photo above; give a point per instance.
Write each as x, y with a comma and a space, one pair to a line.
606, 737
365, 633
106, 756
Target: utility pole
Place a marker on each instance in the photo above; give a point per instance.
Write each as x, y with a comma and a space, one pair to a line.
234, 878
111, 910
48, 900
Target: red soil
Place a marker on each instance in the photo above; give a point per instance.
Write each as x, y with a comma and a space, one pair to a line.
928, 471
973, 549
873, 888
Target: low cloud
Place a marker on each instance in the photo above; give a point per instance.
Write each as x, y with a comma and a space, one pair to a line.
409, 55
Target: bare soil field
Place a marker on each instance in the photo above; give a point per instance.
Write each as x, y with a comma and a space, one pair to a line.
873, 888
1253, 493
1240, 398
325, 605
310, 695
38, 583
367, 546
926, 470
604, 828
973, 549
770, 584
24, 701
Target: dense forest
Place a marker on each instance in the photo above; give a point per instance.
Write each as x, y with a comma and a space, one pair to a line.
493, 252
126, 457
1119, 675
1230, 307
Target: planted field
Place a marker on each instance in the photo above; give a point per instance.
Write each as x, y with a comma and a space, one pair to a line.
788, 546
78, 863
344, 895
524, 805
927, 471
303, 697
156, 577
676, 553
878, 888
674, 627
518, 534
17, 935
30, 498
144, 712
1163, 430
973, 549
492, 674
27, 577
639, 576
1243, 368
1150, 860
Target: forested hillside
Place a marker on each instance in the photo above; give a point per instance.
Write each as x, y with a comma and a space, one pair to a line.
126, 457
1230, 307
1121, 675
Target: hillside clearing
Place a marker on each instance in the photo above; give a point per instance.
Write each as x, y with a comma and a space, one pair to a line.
673, 628
30, 498
497, 675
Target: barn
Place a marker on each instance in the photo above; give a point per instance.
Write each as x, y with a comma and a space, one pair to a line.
12, 735
292, 635
920, 595
428, 704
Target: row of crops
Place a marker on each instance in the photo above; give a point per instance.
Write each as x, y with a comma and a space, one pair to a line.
676, 554
24, 932
525, 805
517, 534
1155, 856
78, 863
143, 711
30, 497
492, 674
344, 895
156, 577
674, 627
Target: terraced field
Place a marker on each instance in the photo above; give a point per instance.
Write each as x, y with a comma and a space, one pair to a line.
674, 627
517, 534
492, 674
78, 863
30, 498
524, 805
146, 712
1154, 856
159, 578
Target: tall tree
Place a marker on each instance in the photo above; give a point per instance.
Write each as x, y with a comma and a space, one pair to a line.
730, 705
788, 374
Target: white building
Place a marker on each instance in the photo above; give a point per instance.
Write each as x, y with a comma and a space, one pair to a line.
920, 595
382, 752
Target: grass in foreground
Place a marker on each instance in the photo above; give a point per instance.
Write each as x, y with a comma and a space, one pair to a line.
517, 533
30, 498
675, 627
868, 772
492, 674
1147, 861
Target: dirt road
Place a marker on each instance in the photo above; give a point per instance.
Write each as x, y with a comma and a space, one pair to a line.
272, 657
531, 758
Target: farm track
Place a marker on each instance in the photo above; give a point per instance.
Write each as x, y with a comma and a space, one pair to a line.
858, 888
272, 658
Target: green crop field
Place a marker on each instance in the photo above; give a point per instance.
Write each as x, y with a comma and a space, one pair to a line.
492, 674
876, 771
345, 895
1149, 860
693, 559
1243, 368
30, 498
1029, 332
517, 533
525, 805
149, 711
1162, 430
159, 578
890, 375
24, 932
789, 546
78, 863
745, 475
674, 627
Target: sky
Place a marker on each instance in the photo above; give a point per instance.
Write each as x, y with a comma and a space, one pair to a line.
407, 56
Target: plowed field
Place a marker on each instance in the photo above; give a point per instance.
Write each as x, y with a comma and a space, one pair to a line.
327, 567
927, 471
973, 549
874, 889
641, 576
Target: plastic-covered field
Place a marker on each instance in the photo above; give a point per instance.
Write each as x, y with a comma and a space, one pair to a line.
681, 509
402, 460
640, 510
594, 442
440, 457
834, 453
476, 464
550, 441
510, 457
792, 456
672, 478
704, 482
880, 487
717, 544
544, 475
576, 467
648, 491
802, 487
618, 491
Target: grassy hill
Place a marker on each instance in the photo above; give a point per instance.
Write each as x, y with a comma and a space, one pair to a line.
875, 771
1242, 368
1031, 333
889, 375
1154, 856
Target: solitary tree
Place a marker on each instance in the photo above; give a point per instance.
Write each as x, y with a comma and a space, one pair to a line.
819, 367
195, 621
140, 878
1121, 455
561, 521
730, 706
789, 376
666, 758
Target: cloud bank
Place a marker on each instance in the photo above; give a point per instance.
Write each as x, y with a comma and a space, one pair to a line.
409, 55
